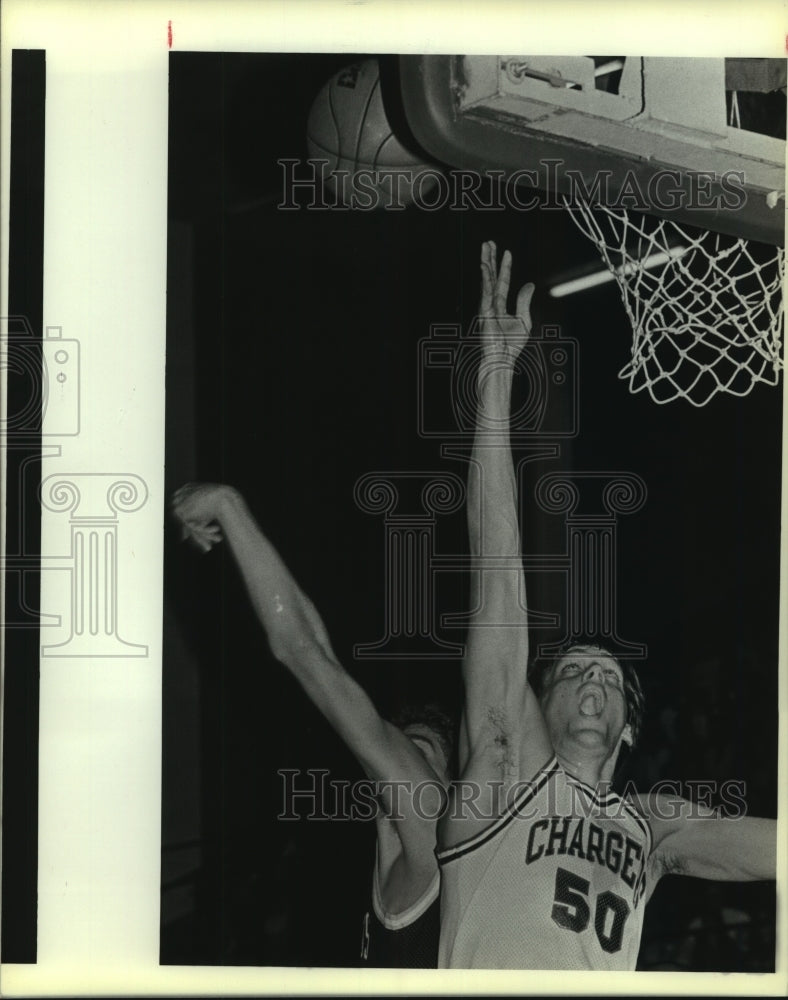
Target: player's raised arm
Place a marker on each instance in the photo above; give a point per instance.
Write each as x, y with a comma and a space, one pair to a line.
691, 840
296, 633
498, 700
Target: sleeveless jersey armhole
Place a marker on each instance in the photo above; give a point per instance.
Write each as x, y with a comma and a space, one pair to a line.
397, 921
528, 791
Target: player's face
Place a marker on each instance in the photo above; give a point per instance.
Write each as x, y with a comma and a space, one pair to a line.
430, 747
584, 701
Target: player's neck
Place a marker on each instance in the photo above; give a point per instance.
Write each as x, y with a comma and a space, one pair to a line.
593, 771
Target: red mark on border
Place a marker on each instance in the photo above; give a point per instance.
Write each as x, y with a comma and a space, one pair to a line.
169, 35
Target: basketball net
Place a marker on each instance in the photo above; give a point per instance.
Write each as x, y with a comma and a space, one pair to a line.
706, 310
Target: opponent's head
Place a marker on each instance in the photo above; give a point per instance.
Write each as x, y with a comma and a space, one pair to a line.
432, 731
591, 702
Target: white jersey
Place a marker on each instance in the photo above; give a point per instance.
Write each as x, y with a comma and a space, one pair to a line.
557, 882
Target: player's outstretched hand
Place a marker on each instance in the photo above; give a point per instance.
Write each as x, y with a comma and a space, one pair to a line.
196, 507
498, 328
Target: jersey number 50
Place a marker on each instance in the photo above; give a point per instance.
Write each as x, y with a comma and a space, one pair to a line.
571, 910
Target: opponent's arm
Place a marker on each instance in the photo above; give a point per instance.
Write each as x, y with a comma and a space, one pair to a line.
690, 840
498, 699
296, 633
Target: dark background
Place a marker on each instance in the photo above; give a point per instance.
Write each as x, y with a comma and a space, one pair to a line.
291, 372
22, 416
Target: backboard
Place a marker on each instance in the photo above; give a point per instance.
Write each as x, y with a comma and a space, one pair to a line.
701, 140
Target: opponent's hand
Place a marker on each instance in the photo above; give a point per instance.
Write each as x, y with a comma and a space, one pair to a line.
499, 329
196, 506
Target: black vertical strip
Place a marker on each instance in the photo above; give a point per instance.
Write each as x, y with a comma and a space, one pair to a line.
25, 394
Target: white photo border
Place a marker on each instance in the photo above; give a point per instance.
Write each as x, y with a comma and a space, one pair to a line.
105, 270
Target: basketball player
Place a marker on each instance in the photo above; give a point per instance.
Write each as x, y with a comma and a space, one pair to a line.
403, 926
543, 865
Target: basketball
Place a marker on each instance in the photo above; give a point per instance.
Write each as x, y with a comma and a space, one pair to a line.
367, 165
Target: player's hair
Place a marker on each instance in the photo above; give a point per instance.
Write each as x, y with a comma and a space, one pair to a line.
432, 716
633, 692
